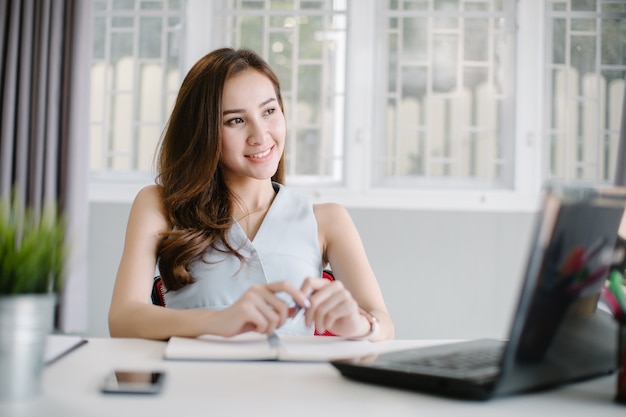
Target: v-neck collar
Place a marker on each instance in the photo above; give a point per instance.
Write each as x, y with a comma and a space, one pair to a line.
243, 237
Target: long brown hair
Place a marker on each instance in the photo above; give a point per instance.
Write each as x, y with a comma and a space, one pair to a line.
195, 196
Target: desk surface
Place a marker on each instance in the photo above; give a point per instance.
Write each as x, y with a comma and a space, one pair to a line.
71, 388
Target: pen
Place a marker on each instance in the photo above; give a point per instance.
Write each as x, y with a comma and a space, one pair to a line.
615, 286
298, 311
611, 301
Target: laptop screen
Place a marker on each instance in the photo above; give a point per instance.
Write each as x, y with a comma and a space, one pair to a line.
559, 333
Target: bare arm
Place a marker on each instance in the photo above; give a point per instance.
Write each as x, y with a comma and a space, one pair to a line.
335, 308
131, 313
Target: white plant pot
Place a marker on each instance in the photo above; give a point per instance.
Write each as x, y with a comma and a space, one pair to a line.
25, 322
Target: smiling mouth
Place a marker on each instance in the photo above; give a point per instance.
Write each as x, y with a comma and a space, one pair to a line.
260, 154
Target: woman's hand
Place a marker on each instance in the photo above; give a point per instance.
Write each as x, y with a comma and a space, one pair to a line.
333, 308
258, 310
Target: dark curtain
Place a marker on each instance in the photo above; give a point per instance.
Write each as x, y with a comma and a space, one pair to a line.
44, 81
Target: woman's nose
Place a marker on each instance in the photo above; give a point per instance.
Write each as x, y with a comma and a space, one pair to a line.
257, 133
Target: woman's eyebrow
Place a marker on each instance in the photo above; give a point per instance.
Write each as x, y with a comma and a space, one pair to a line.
269, 100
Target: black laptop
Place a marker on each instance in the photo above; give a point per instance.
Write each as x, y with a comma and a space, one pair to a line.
558, 334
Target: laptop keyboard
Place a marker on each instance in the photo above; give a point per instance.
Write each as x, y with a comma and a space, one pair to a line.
467, 360
475, 363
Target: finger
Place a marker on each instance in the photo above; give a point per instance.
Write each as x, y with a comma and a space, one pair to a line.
311, 285
297, 295
332, 309
266, 311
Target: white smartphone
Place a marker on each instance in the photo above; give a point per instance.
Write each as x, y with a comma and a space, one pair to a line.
122, 381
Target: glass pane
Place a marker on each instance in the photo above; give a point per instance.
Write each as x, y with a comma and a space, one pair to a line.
123, 4
558, 168
96, 161
120, 138
559, 83
251, 32
174, 5
313, 5
97, 91
614, 87
280, 60
587, 143
478, 6
614, 7
446, 22
122, 22
584, 24
249, 4
147, 141
414, 84
583, 5
150, 93
308, 146
608, 161
559, 27
121, 46
99, 5
447, 5
415, 5
281, 4
475, 83
392, 77
150, 37
415, 39
99, 37
583, 54
151, 5
311, 46
475, 43
445, 63
309, 93
409, 154
614, 41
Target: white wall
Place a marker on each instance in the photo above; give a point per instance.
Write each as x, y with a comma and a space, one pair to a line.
444, 274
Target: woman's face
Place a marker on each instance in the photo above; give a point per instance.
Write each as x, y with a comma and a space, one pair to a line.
253, 127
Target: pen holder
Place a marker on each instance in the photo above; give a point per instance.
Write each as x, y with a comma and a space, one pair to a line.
620, 397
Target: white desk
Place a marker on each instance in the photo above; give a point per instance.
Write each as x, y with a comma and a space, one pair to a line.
71, 388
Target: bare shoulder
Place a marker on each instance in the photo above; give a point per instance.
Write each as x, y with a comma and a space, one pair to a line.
329, 213
150, 193
333, 221
148, 207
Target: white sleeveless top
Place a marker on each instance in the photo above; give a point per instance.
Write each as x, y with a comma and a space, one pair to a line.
285, 248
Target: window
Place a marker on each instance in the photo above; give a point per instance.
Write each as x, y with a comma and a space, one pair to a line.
305, 43
448, 88
585, 72
388, 101
135, 76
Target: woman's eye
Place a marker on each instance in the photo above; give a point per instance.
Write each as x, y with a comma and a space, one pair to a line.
270, 110
234, 121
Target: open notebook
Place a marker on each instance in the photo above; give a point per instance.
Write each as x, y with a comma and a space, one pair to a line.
256, 347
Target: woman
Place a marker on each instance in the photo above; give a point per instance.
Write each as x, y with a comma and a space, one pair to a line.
235, 248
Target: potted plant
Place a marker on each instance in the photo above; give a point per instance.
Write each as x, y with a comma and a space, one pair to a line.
32, 257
